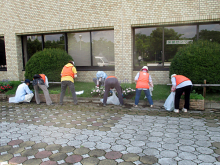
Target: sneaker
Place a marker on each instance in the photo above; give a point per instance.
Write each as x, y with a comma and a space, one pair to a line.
104, 105
176, 110
135, 106
184, 110
121, 105
52, 104
151, 106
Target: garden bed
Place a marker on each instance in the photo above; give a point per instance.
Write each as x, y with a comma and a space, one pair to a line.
194, 104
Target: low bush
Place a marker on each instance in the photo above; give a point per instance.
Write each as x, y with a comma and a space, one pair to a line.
194, 95
49, 62
198, 61
5, 86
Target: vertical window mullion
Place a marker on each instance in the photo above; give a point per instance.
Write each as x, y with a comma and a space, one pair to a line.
91, 48
197, 32
66, 42
163, 48
42, 38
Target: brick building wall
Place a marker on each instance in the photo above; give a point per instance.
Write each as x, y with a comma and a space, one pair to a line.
31, 17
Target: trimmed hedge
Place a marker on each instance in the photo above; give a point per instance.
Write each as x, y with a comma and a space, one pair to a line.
198, 61
49, 62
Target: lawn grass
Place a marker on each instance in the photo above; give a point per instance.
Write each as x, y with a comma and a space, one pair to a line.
160, 92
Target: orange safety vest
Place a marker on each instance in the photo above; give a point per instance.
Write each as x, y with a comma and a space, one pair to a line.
111, 77
143, 80
67, 71
180, 79
43, 77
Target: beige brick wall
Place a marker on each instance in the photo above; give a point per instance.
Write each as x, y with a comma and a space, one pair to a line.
31, 17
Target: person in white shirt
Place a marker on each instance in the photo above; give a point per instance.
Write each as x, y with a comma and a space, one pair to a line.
23, 93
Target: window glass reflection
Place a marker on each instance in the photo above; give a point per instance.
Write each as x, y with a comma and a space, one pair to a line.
175, 38
79, 48
210, 32
54, 41
103, 48
2, 54
148, 47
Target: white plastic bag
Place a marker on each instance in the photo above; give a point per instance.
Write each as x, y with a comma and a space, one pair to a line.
151, 89
169, 103
112, 99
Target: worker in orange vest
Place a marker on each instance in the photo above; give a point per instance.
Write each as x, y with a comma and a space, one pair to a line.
181, 84
68, 74
41, 81
143, 79
110, 83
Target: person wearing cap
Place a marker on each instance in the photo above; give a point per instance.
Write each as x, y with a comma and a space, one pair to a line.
41, 81
110, 83
181, 84
23, 93
68, 74
143, 82
100, 78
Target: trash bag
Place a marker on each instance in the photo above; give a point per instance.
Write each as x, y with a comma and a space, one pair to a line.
151, 89
79, 92
112, 99
169, 103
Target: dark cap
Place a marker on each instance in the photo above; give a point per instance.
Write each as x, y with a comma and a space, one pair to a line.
27, 81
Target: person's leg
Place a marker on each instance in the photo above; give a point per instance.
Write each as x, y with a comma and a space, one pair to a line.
107, 89
28, 97
178, 94
118, 89
63, 90
46, 94
37, 98
149, 98
72, 88
187, 90
137, 96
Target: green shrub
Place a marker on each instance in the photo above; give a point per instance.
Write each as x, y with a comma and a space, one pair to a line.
194, 95
49, 62
198, 61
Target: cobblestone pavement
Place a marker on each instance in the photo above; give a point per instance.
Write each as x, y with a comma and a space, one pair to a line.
89, 134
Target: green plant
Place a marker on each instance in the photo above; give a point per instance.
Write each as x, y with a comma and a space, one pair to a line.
98, 91
5, 85
49, 62
198, 61
194, 95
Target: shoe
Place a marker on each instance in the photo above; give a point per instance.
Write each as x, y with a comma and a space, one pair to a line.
104, 105
151, 106
121, 105
61, 103
176, 110
52, 104
184, 110
135, 106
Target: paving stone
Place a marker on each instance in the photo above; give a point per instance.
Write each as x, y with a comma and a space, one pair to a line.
15, 142
73, 159
107, 162
126, 163
130, 157
113, 155
43, 154
29, 152
96, 153
5, 157
186, 162
167, 161
90, 161
27, 144
16, 150
53, 147
81, 151
49, 163
148, 159
67, 149
32, 162
17, 160
206, 158
5, 148
218, 158
58, 156
216, 144
217, 151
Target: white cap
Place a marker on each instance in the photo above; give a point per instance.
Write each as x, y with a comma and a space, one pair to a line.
173, 75
73, 63
145, 67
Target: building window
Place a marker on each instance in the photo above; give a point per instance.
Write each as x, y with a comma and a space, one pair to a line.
175, 38
210, 32
148, 46
79, 48
54, 41
31, 45
3, 65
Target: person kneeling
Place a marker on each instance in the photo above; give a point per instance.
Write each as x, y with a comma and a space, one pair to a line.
40, 80
23, 93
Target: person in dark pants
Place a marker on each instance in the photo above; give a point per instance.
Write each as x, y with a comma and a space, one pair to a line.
41, 81
181, 84
112, 82
67, 79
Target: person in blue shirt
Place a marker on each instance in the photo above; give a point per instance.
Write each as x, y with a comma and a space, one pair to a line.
100, 78
23, 93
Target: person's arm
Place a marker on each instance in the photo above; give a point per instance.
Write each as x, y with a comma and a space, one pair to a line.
27, 89
173, 80
46, 82
150, 81
74, 71
136, 77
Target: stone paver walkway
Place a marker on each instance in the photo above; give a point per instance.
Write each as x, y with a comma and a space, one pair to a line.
89, 134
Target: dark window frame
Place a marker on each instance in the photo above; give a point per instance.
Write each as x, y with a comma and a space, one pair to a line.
79, 68
165, 68
5, 68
